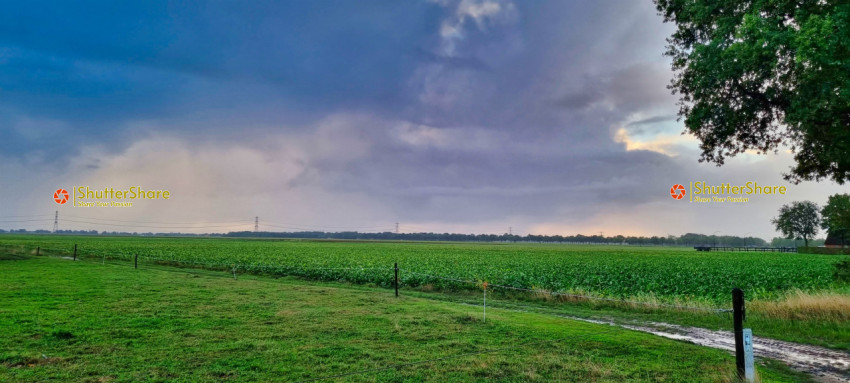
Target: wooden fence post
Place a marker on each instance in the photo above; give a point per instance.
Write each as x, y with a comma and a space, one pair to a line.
37, 250
136, 264
75, 251
738, 317
396, 279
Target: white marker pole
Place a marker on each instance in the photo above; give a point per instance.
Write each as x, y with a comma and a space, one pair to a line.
749, 362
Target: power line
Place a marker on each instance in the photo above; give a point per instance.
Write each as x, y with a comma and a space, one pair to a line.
156, 227
323, 226
177, 225
245, 221
319, 228
26, 216
25, 220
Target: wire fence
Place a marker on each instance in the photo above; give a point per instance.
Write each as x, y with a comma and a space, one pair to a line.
577, 296
303, 270
214, 268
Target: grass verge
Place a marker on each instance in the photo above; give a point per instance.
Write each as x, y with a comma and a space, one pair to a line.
85, 322
806, 318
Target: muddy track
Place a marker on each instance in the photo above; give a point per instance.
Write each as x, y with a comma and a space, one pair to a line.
825, 365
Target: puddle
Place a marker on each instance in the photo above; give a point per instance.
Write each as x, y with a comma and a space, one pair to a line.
825, 365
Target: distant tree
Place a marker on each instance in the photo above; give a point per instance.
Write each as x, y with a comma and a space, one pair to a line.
836, 216
760, 74
785, 242
798, 220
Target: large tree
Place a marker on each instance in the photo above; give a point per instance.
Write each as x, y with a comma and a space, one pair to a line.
760, 74
798, 220
836, 216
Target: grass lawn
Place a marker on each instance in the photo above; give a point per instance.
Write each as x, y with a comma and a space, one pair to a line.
827, 332
86, 322
791, 297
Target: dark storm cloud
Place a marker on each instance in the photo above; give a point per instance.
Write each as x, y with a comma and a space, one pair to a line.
580, 100
102, 66
652, 120
651, 125
467, 188
454, 111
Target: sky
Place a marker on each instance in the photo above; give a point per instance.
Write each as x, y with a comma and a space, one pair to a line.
445, 116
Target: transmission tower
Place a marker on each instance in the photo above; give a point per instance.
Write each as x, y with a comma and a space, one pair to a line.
396, 227
510, 230
56, 222
256, 224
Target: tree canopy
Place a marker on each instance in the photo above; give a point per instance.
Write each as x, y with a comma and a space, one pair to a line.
798, 220
836, 217
762, 74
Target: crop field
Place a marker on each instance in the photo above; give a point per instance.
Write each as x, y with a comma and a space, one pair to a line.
663, 274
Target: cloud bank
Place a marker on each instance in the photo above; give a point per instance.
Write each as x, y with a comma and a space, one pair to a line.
471, 116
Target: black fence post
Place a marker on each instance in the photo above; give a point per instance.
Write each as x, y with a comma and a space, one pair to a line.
37, 250
739, 315
75, 251
396, 279
136, 264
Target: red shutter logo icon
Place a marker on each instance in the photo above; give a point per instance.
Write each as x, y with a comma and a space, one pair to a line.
60, 196
677, 191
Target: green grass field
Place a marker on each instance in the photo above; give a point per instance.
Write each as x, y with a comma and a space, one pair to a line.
87, 322
791, 297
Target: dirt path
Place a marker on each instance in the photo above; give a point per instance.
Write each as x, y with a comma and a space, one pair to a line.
825, 365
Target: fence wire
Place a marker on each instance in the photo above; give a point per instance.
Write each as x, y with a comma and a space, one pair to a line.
65, 253
296, 269
577, 296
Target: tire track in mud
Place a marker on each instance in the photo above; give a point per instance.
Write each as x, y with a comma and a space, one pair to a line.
825, 365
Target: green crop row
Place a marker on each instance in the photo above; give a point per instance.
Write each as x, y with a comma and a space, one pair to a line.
669, 274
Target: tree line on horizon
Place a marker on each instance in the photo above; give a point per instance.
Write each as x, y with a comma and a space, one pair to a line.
690, 239
682, 240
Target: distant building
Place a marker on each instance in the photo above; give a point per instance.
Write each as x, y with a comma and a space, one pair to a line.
835, 240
